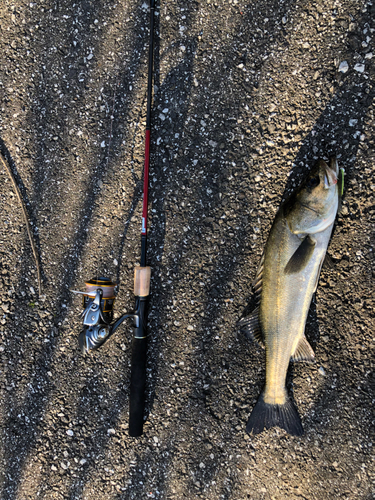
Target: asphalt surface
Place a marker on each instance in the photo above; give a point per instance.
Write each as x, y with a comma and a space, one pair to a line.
247, 95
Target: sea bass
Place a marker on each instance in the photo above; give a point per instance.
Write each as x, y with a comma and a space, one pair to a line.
286, 280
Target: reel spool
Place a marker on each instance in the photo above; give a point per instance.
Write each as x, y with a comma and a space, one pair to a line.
107, 299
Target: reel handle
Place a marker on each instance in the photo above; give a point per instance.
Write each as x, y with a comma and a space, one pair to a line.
138, 370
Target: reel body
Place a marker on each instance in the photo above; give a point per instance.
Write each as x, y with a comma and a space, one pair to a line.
98, 303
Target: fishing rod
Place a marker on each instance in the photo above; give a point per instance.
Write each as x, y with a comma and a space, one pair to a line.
99, 296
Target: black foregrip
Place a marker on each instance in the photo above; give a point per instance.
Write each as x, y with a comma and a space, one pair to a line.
138, 376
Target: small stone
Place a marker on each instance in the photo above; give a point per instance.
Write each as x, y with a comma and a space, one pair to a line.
322, 371
359, 67
70, 432
344, 66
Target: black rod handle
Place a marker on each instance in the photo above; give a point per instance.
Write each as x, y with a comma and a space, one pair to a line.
138, 372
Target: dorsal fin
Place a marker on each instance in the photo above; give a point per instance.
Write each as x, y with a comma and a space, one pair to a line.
303, 352
251, 327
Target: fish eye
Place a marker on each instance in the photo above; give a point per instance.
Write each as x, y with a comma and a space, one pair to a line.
313, 181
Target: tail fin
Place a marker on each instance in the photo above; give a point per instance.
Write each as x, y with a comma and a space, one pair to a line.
265, 416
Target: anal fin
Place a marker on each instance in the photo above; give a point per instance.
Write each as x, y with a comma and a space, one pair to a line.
251, 327
303, 352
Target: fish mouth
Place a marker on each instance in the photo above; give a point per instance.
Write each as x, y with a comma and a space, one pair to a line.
331, 173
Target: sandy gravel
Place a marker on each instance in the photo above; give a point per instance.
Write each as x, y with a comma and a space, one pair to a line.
248, 94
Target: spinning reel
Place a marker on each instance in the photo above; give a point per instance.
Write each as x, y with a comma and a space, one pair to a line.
98, 302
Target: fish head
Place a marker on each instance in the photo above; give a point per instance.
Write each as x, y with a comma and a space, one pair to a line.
313, 207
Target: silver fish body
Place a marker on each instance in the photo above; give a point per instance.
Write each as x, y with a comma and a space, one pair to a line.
286, 281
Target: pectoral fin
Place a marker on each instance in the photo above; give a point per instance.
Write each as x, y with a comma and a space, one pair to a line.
301, 256
303, 352
251, 327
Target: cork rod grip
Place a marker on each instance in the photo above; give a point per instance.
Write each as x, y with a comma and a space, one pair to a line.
142, 276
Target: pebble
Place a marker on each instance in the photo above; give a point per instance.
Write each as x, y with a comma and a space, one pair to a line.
344, 66
322, 371
359, 67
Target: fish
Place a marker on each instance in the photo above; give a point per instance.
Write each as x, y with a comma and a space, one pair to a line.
286, 280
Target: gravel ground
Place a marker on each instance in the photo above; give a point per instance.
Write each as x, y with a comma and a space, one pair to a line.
247, 96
